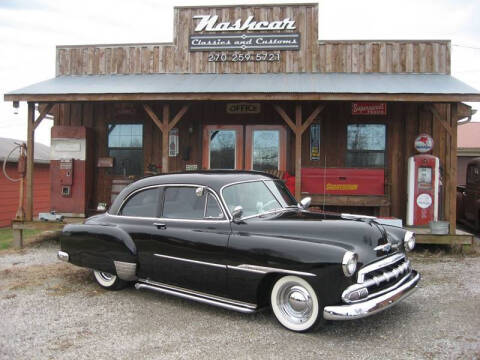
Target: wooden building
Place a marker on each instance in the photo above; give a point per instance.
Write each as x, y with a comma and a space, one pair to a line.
252, 87
10, 190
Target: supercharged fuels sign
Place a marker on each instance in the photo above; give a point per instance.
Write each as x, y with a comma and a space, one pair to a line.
245, 42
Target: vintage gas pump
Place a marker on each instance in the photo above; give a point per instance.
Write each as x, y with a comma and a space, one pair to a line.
70, 170
423, 188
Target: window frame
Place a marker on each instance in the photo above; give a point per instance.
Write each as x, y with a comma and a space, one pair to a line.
135, 192
282, 144
226, 215
385, 154
141, 149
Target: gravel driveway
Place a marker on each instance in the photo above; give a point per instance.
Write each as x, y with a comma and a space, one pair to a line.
50, 309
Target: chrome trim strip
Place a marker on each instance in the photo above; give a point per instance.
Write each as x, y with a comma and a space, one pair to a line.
62, 255
223, 208
378, 265
266, 270
191, 261
196, 296
126, 270
373, 306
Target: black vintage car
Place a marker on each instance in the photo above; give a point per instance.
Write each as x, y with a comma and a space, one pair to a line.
240, 240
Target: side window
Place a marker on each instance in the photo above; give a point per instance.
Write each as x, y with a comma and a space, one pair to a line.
190, 203
212, 210
183, 203
142, 204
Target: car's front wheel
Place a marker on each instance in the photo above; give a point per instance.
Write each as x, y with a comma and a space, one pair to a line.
109, 281
295, 304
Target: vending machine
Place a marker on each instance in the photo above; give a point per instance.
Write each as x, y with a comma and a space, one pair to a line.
71, 172
423, 189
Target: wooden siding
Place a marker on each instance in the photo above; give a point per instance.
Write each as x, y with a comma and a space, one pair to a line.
359, 56
404, 122
9, 192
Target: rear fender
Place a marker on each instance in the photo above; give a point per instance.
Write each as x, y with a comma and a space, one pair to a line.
100, 247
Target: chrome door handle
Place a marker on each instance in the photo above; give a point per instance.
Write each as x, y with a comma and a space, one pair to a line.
160, 226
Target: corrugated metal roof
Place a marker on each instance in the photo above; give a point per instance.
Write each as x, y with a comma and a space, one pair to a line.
41, 156
289, 83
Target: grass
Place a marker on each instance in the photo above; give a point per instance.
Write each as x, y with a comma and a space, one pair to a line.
6, 237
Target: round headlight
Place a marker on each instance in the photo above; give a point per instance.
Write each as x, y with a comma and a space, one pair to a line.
409, 241
349, 263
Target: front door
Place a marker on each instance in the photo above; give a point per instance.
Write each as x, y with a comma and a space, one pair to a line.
223, 147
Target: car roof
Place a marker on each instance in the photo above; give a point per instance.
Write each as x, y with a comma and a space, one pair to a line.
215, 179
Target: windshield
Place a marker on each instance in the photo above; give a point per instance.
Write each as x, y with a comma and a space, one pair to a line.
257, 197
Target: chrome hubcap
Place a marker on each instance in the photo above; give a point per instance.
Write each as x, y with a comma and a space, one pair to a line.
106, 276
295, 303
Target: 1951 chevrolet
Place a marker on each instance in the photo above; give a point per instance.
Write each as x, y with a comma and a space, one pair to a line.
240, 240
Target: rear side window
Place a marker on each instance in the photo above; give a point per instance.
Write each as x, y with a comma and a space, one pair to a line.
142, 204
190, 203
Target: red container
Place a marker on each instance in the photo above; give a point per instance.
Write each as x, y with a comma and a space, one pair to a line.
343, 181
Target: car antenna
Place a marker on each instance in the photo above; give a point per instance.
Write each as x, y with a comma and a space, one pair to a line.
324, 184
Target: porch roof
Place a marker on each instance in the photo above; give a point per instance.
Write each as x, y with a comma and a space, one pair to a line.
270, 86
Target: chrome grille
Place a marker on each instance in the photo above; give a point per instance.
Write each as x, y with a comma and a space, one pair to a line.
380, 277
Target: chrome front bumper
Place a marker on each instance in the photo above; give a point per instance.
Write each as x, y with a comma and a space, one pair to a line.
372, 306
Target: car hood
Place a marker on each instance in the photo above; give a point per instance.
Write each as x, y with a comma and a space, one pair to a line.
361, 236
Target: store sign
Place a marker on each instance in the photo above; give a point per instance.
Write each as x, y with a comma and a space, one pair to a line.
173, 143
315, 142
369, 108
245, 42
210, 23
423, 143
243, 108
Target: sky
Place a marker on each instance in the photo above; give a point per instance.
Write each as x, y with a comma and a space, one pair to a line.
30, 30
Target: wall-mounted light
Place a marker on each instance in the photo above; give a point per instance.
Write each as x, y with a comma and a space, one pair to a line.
16, 105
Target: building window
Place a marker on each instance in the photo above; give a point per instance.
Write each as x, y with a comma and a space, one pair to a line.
366, 145
125, 145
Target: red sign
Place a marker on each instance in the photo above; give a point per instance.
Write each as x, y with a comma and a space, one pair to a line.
423, 143
369, 108
343, 181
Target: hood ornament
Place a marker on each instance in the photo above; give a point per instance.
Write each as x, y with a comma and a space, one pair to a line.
385, 247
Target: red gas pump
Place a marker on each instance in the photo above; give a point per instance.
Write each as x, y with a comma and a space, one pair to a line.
423, 185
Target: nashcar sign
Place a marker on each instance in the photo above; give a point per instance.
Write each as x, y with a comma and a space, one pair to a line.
209, 23
243, 41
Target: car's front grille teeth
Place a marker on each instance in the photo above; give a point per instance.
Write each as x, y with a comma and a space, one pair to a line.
387, 276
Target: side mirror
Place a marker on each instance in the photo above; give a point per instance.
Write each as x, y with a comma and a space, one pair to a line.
102, 206
237, 214
305, 203
200, 191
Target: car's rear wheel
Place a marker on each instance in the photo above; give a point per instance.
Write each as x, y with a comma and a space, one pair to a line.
109, 281
295, 304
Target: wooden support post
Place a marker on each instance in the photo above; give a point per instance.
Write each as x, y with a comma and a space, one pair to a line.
298, 151
17, 238
165, 119
298, 127
165, 125
42, 115
453, 170
30, 160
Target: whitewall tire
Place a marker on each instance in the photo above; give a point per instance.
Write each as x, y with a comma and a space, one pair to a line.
295, 304
108, 281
